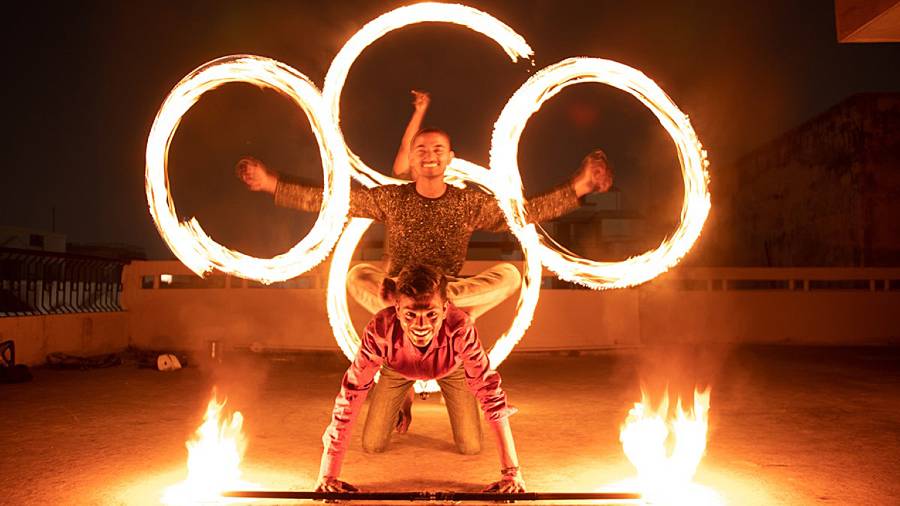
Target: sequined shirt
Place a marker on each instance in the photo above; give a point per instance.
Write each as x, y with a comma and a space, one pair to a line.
384, 344
424, 230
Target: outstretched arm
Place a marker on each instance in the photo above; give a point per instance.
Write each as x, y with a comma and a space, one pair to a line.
594, 175
421, 100
260, 178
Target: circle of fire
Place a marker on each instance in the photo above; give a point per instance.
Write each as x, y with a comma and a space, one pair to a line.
458, 173
504, 149
200, 253
187, 240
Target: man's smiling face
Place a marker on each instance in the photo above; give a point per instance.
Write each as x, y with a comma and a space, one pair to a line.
430, 154
421, 320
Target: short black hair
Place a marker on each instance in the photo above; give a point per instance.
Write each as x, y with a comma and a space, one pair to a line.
431, 130
418, 282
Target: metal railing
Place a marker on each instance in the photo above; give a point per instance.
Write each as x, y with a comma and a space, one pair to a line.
40, 282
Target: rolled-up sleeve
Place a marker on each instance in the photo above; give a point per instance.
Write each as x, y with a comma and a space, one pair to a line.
482, 381
355, 386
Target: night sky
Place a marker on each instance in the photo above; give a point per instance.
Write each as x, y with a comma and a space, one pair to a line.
85, 80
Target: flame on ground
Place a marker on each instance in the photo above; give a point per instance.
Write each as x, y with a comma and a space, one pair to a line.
667, 450
214, 459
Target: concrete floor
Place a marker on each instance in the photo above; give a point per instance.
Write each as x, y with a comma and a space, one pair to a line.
789, 425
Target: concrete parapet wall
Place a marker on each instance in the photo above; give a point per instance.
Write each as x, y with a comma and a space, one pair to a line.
809, 306
720, 305
78, 334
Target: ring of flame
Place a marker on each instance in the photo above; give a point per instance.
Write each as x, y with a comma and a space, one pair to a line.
458, 173
187, 240
504, 147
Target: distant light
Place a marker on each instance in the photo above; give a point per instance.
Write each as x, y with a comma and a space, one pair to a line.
165, 278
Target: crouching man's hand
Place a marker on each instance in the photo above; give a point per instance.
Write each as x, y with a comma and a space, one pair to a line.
332, 484
511, 482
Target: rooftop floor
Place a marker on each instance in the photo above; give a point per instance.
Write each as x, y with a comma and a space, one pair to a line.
789, 425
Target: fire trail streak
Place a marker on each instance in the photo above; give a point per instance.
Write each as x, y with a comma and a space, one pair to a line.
458, 173
201, 254
188, 241
508, 183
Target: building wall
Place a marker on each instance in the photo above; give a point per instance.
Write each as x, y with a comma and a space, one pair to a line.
31, 239
81, 334
823, 194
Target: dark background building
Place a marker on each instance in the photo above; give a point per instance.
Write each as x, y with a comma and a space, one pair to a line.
825, 193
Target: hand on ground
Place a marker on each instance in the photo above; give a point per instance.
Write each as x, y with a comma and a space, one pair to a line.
507, 485
330, 484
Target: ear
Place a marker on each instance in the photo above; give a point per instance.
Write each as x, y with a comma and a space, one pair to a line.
451, 154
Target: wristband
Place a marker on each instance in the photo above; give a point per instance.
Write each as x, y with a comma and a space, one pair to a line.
510, 472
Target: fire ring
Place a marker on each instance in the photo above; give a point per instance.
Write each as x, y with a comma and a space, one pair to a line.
504, 147
458, 173
187, 240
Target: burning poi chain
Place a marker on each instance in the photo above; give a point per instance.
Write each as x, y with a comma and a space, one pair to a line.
201, 253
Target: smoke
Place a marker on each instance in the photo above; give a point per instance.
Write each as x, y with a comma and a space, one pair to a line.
681, 367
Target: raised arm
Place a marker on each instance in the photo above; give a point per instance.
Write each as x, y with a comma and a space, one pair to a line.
364, 203
594, 175
421, 100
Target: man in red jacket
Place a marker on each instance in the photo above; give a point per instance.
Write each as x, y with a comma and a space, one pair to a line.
422, 336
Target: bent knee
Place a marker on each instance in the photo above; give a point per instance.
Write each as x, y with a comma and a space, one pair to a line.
374, 446
361, 272
508, 272
469, 448
510, 277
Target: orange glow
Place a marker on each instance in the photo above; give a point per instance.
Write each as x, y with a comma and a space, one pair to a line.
667, 450
214, 458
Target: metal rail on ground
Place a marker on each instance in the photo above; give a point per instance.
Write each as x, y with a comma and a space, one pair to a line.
434, 496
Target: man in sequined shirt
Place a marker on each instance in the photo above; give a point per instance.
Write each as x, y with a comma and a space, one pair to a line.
430, 222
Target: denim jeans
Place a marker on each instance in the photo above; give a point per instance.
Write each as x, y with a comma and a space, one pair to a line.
475, 295
387, 396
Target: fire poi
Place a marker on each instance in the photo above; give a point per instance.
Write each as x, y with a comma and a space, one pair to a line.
502, 180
